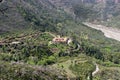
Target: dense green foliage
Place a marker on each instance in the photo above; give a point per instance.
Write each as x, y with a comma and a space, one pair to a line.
30, 23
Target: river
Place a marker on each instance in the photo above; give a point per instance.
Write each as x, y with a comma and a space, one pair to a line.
109, 32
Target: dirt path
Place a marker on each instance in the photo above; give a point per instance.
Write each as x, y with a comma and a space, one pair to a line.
109, 32
96, 70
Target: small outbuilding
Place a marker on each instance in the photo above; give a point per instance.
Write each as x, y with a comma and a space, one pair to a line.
61, 40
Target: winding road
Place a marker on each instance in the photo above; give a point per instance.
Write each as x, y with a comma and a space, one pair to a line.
109, 32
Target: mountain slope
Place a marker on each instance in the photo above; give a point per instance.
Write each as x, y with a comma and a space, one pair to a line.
32, 26
27, 13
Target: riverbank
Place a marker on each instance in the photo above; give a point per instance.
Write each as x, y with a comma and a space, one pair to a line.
108, 31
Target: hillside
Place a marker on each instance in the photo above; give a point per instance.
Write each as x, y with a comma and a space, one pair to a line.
103, 11
46, 39
24, 14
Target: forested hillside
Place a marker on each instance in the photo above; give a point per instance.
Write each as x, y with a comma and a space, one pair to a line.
46, 40
104, 11
24, 14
